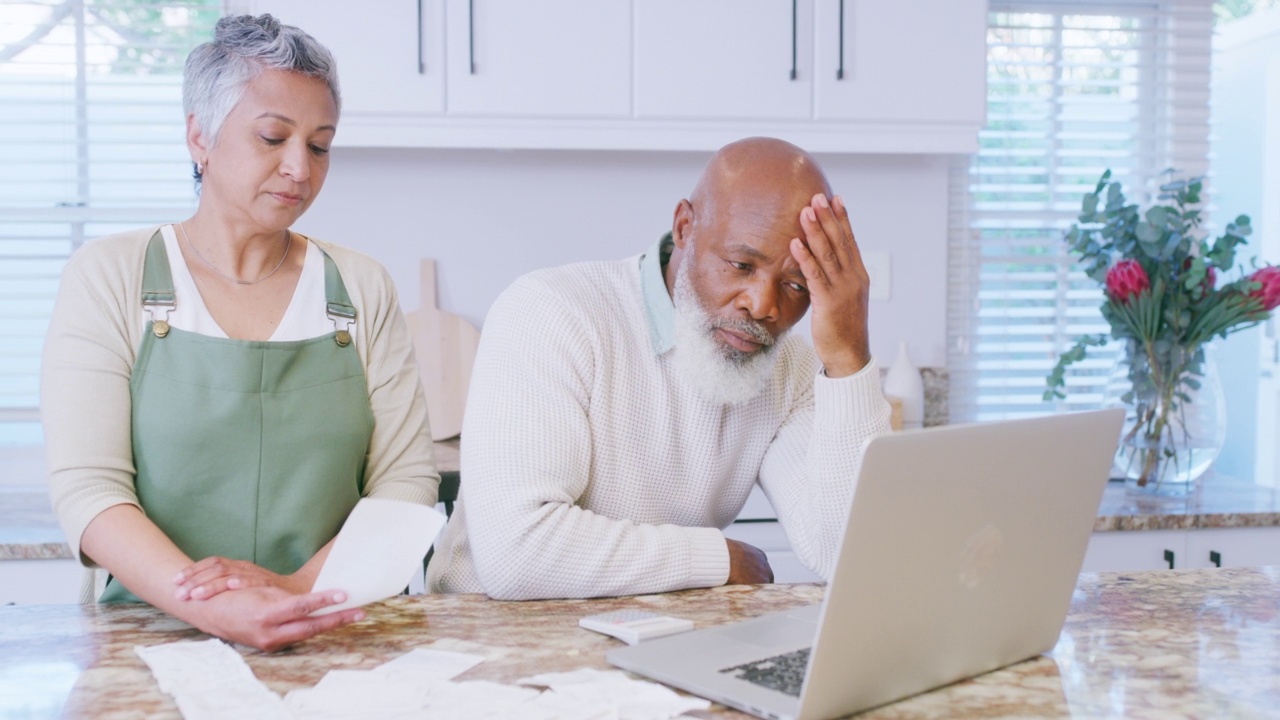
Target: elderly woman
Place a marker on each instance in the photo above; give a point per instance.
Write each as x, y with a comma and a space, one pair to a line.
218, 393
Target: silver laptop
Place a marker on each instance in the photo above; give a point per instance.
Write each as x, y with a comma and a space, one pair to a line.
959, 556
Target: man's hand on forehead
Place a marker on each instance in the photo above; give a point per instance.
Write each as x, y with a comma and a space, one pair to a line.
838, 285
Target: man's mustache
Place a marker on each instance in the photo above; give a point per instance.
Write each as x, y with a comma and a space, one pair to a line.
757, 331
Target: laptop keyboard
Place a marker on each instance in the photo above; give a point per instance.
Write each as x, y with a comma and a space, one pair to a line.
784, 673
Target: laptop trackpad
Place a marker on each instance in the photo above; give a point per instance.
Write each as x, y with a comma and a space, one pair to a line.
795, 628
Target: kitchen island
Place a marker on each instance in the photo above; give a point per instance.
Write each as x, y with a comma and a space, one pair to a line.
1170, 644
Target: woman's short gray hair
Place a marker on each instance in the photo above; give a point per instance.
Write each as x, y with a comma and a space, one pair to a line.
217, 72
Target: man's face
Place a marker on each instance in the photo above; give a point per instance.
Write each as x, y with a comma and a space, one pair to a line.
737, 291
743, 275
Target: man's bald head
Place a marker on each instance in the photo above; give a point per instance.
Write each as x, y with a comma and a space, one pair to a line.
760, 178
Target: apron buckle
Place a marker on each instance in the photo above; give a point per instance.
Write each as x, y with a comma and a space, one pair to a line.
343, 317
159, 327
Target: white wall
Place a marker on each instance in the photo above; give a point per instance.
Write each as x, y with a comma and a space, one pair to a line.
489, 216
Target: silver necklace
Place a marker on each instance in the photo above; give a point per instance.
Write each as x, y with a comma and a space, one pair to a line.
223, 275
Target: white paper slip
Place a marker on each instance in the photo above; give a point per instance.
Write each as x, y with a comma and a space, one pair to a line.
633, 626
422, 664
380, 547
210, 681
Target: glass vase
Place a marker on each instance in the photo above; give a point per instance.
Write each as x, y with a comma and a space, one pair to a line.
1175, 416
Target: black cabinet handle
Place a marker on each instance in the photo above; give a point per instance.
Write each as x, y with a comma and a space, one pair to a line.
1168, 557
471, 34
422, 64
840, 70
793, 39
1215, 557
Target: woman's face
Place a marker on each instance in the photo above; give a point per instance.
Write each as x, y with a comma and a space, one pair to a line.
272, 153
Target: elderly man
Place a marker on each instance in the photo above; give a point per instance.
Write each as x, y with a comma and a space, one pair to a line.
621, 412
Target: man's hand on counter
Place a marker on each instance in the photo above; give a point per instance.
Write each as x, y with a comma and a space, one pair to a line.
748, 565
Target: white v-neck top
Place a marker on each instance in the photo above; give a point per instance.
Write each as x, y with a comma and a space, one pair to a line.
305, 317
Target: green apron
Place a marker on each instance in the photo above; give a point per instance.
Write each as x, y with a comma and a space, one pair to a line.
246, 449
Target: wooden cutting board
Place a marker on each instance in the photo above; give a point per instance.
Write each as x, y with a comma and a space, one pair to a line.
445, 345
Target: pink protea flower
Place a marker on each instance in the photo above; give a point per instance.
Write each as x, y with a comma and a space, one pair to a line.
1125, 279
1269, 293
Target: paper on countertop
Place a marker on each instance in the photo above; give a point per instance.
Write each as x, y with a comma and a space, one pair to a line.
379, 548
429, 664
210, 681
633, 699
356, 694
403, 687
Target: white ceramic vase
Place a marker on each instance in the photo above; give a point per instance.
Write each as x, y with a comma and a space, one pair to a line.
903, 381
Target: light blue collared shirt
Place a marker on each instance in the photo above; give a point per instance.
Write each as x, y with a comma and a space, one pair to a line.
658, 306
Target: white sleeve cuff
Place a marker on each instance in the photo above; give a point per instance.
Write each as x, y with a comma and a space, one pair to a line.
708, 558
854, 398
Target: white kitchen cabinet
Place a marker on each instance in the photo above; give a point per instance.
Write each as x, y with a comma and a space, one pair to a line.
1233, 547
907, 62
551, 58
1135, 550
680, 75
390, 62
724, 59
1145, 549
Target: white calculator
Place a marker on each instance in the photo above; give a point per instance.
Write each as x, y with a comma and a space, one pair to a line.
632, 626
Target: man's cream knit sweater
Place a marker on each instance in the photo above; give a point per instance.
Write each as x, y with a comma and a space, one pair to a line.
591, 468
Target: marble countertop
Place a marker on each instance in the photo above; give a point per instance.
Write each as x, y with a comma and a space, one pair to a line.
29, 530
1216, 502
1166, 644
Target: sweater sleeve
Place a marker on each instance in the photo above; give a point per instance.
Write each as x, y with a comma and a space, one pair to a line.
810, 470
401, 463
84, 392
527, 464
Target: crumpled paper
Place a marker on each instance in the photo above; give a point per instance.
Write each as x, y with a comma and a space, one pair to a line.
210, 681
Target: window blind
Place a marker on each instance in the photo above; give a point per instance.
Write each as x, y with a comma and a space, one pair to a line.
91, 142
1073, 89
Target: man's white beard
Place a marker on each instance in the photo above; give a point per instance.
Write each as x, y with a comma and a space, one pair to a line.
719, 373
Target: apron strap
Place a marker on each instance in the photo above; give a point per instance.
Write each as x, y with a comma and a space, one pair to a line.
335, 292
337, 302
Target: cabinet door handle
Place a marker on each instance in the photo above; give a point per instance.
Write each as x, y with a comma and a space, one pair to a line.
1215, 557
471, 34
1168, 557
793, 39
840, 70
422, 64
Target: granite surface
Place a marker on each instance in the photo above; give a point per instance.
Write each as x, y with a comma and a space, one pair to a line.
1159, 644
1215, 501
937, 385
